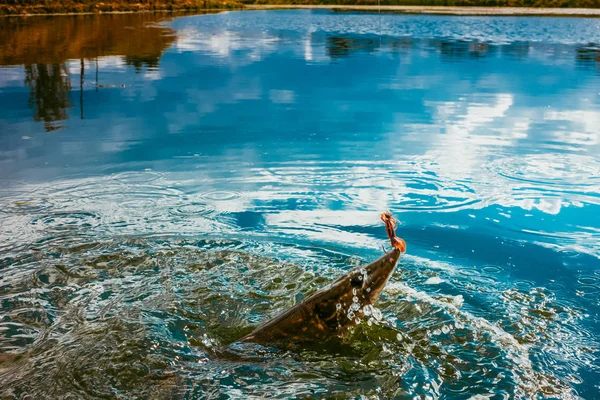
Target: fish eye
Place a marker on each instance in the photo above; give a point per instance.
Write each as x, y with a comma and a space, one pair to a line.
356, 282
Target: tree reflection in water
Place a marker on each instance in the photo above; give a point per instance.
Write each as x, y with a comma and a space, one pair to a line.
45, 45
49, 87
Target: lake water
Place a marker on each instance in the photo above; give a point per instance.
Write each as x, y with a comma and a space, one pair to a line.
167, 183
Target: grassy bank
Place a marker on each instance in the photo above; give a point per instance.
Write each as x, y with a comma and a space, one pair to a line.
8, 7
447, 3
11, 7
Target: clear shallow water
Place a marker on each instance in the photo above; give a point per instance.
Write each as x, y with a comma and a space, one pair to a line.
169, 183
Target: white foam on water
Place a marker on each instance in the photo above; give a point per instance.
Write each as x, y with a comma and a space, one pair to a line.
434, 280
528, 381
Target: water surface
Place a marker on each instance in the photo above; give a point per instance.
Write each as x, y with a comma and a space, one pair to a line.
167, 183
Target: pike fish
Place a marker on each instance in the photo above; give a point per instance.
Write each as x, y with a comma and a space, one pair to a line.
336, 307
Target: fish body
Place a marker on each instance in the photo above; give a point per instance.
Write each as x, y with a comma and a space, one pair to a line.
331, 310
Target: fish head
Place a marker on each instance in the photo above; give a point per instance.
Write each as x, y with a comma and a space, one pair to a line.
361, 286
375, 275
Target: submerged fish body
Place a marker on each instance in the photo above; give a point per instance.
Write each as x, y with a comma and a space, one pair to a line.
331, 310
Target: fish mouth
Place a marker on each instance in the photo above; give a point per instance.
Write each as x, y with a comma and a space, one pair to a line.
379, 272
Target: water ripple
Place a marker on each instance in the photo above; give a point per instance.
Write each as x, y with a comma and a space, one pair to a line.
26, 205
158, 311
220, 195
558, 172
187, 209
65, 221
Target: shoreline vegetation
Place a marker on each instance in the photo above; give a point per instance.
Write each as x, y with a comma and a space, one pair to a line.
455, 7
29, 7
441, 10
